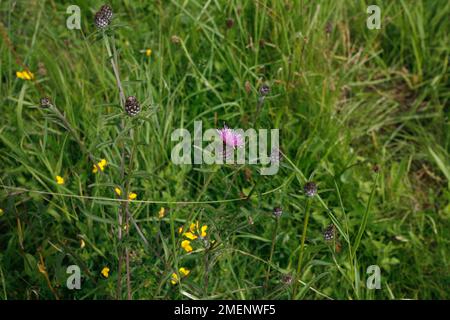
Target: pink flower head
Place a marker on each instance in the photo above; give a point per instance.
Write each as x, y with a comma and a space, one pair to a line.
231, 138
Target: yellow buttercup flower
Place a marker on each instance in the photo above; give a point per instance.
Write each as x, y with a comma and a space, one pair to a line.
148, 52
105, 272
180, 229
186, 245
118, 191
161, 213
59, 180
132, 196
102, 164
193, 227
25, 75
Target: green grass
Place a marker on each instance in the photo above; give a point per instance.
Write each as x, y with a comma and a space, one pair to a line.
344, 100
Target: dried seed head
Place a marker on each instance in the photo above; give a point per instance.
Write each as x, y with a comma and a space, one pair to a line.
277, 212
45, 102
310, 189
264, 90
329, 233
132, 106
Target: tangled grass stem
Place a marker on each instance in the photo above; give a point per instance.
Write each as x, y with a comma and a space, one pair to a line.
302, 247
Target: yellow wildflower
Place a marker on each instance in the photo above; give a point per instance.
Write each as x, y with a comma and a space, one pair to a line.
203, 231
132, 196
59, 180
183, 271
118, 191
193, 227
25, 75
190, 235
186, 245
105, 272
148, 52
82, 244
180, 229
161, 213
102, 164
174, 279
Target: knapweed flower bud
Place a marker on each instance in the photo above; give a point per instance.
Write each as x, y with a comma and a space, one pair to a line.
230, 23
277, 212
287, 279
329, 232
310, 189
106, 11
45, 102
264, 90
103, 17
175, 39
132, 106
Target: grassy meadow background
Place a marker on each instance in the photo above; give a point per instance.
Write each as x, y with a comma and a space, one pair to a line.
362, 113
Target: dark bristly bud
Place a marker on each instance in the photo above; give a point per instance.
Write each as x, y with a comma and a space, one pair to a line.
277, 212
230, 23
106, 11
103, 17
132, 106
376, 168
287, 279
248, 86
275, 155
329, 232
264, 90
100, 21
175, 39
45, 102
310, 189
328, 27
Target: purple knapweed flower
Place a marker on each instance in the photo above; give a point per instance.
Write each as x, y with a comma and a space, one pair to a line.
231, 138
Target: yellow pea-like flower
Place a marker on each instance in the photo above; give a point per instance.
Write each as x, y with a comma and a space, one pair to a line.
203, 231
186, 245
184, 271
59, 180
132, 196
190, 235
105, 272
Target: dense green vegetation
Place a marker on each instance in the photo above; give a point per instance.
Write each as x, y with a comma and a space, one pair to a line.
362, 113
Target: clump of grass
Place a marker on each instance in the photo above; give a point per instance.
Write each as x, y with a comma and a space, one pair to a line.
347, 100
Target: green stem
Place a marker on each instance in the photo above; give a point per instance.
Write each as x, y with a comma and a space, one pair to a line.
302, 247
272, 249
